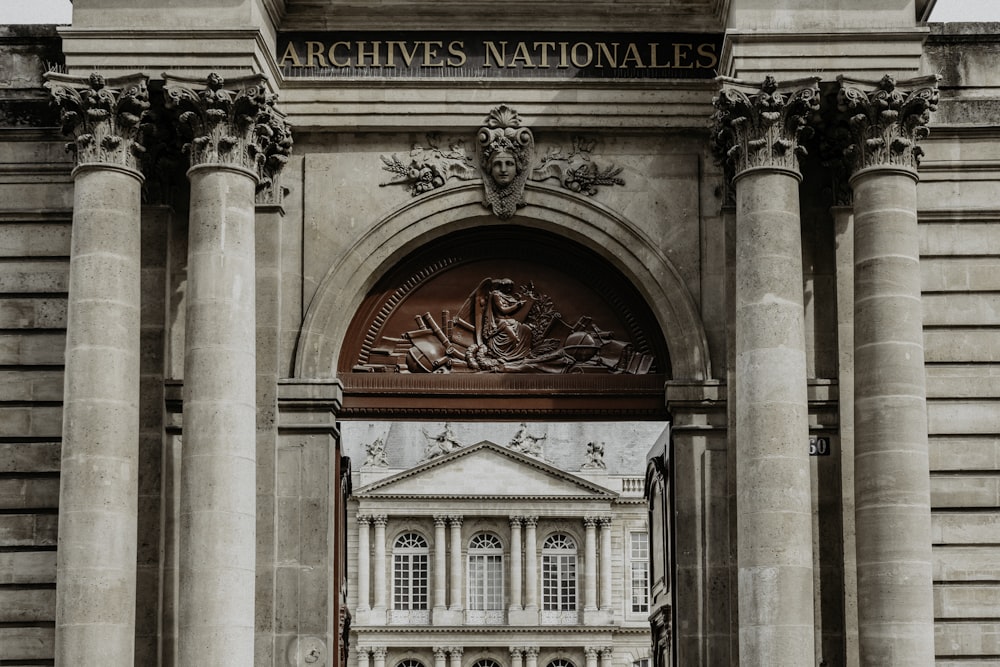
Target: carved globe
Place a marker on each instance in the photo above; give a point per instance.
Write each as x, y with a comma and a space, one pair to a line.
581, 345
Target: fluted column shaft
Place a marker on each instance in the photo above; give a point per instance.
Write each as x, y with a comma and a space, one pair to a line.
378, 549
892, 487
456, 563
218, 466
774, 515
590, 564
440, 562
364, 563
515, 563
531, 563
605, 572
98, 495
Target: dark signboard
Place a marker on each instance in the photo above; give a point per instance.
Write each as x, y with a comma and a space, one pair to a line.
498, 55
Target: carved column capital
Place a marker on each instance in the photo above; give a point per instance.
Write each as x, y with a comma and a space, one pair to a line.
380, 652
456, 651
440, 520
530, 521
104, 116
516, 652
364, 519
516, 521
590, 521
591, 652
439, 652
234, 125
455, 520
531, 652
760, 126
379, 519
885, 119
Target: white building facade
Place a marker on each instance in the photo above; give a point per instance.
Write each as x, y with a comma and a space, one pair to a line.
523, 550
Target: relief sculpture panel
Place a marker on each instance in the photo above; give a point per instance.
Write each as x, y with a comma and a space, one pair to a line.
506, 315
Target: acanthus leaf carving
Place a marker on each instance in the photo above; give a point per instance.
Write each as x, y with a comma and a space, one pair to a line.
762, 125
104, 116
576, 170
885, 119
233, 125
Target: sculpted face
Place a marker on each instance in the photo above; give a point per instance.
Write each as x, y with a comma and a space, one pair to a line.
503, 168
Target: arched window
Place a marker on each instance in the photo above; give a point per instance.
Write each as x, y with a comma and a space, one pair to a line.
559, 573
486, 662
485, 574
560, 662
409, 576
409, 663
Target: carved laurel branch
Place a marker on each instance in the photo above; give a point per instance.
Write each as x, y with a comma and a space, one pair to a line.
102, 115
885, 119
236, 125
762, 126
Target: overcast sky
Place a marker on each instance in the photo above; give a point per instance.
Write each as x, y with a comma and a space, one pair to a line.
59, 11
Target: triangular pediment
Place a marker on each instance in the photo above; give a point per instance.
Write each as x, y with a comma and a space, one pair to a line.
485, 469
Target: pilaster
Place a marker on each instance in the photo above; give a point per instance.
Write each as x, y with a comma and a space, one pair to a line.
98, 497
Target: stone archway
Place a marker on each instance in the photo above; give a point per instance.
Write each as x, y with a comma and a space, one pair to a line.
594, 227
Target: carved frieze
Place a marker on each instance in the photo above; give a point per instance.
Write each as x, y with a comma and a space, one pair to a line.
506, 162
505, 328
885, 119
234, 125
102, 115
762, 126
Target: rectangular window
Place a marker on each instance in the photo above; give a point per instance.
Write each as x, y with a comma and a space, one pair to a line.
639, 566
409, 581
559, 582
485, 582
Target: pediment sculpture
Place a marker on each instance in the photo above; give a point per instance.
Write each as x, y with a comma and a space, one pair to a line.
501, 328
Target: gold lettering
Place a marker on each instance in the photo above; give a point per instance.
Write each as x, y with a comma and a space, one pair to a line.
408, 56
456, 49
679, 57
521, 53
707, 50
576, 60
652, 57
290, 54
543, 48
431, 53
632, 54
315, 50
612, 59
563, 64
333, 55
499, 57
374, 54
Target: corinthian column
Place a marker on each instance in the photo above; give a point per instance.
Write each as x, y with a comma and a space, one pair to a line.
364, 560
230, 137
95, 586
757, 129
440, 566
891, 483
515, 563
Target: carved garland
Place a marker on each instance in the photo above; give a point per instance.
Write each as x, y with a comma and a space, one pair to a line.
763, 128
103, 116
428, 168
885, 119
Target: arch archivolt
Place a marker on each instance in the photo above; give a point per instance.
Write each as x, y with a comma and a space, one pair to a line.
448, 210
